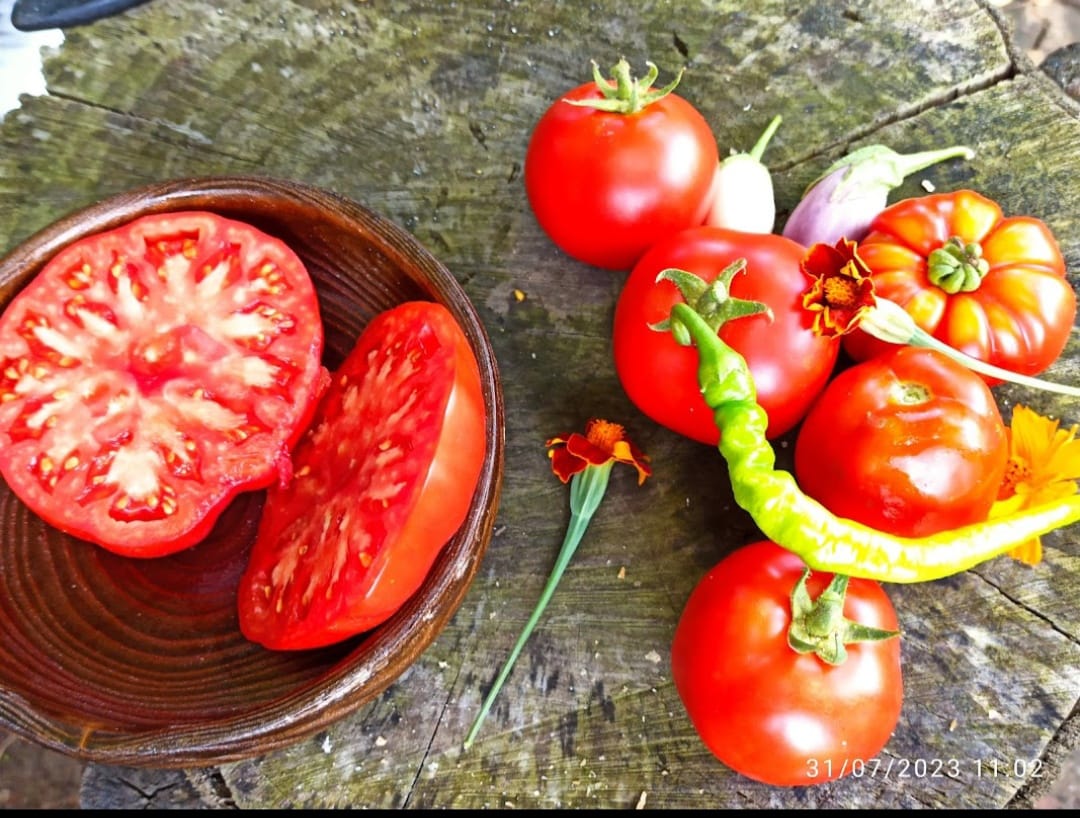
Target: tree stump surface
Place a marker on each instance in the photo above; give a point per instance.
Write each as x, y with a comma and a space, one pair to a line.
422, 112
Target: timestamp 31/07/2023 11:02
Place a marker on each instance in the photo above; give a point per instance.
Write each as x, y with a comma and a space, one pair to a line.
901, 768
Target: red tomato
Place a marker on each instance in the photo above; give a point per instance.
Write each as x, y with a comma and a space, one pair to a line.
767, 712
605, 186
910, 442
382, 480
789, 362
150, 373
1016, 314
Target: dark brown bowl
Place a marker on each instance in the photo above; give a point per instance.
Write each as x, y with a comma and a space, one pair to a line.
140, 662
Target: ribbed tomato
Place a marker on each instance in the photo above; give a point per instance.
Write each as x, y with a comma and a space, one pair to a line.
991, 286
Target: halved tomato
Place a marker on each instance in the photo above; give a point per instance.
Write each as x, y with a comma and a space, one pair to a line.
382, 480
152, 372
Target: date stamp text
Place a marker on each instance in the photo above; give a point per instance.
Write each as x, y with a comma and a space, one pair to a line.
896, 769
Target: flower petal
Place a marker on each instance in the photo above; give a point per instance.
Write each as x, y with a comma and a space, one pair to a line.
1029, 553
627, 452
602, 443
566, 465
822, 260
581, 446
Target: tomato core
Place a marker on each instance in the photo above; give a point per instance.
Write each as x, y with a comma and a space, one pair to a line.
906, 393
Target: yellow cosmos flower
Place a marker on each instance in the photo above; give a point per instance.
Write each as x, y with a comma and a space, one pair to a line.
1044, 464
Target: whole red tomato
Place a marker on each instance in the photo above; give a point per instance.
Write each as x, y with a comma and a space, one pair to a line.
605, 185
909, 442
382, 480
767, 712
991, 286
152, 372
790, 364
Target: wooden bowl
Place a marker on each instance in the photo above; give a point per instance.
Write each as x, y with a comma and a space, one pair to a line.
140, 662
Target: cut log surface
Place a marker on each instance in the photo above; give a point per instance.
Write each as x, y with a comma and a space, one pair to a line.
422, 112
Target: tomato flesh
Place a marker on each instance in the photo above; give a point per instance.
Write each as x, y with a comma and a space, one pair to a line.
767, 712
382, 480
150, 373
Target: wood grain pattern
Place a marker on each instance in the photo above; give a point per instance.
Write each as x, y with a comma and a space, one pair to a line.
422, 111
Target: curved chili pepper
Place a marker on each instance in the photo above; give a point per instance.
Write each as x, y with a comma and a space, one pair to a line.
799, 523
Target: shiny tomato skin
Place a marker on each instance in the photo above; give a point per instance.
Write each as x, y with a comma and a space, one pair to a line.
152, 372
789, 362
909, 442
1023, 311
764, 710
382, 479
605, 186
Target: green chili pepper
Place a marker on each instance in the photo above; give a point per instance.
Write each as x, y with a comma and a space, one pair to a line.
799, 523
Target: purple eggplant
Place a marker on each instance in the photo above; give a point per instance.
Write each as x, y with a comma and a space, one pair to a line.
845, 200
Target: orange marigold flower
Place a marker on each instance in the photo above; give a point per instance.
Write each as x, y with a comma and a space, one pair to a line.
841, 291
585, 461
603, 442
1044, 465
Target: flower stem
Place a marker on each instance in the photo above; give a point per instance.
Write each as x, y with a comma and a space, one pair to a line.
888, 321
587, 489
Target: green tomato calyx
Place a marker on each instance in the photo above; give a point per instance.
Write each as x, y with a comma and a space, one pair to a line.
712, 301
623, 94
818, 626
957, 266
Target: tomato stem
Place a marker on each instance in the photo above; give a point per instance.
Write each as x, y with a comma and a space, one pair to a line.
624, 94
587, 489
713, 301
957, 266
819, 626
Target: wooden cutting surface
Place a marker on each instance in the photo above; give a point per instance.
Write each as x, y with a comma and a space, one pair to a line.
422, 112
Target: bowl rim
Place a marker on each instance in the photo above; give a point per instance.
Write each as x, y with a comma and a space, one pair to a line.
393, 646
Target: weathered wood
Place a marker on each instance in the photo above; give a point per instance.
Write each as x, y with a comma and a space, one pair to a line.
422, 111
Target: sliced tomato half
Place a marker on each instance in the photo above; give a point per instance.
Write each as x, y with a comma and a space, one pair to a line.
150, 373
382, 480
